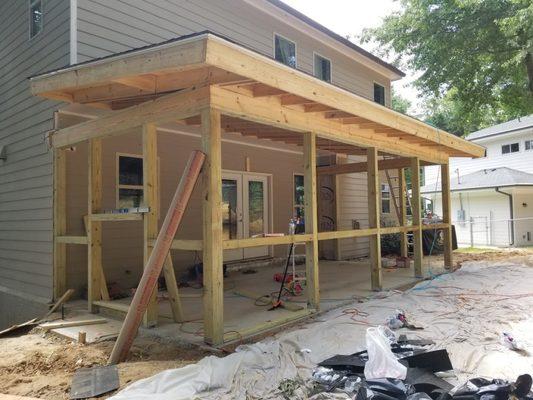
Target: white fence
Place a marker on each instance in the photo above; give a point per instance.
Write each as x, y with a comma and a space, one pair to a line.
484, 231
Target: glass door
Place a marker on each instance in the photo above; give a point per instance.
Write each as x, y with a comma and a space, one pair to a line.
232, 213
255, 216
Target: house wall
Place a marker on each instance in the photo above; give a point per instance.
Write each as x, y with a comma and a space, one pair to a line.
523, 216
107, 27
26, 175
122, 241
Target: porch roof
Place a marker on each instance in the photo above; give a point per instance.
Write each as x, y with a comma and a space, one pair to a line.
257, 96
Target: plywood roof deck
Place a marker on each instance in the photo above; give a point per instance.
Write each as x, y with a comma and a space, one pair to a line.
257, 96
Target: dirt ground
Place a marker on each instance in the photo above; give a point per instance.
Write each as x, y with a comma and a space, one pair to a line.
41, 365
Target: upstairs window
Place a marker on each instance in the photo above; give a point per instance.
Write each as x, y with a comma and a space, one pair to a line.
379, 94
529, 144
385, 199
322, 68
285, 51
36, 17
130, 188
510, 148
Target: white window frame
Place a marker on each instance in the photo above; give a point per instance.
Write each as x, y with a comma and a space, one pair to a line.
289, 40
118, 185
530, 141
374, 83
315, 55
510, 152
385, 188
31, 3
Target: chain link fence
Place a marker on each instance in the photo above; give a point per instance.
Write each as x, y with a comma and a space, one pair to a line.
485, 231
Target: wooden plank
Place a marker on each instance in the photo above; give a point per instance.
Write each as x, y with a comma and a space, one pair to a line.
374, 211
180, 244
109, 217
172, 290
94, 228
428, 227
392, 163
264, 241
346, 234
150, 198
417, 217
104, 293
60, 221
212, 228
71, 239
447, 216
66, 324
402, 194
160, 251
393, 194
113, 305
183, 104
62, 300
311, 221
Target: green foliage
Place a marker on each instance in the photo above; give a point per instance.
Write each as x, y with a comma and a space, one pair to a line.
475, 57
399, 103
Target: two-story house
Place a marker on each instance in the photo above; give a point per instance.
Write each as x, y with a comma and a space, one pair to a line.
492, 196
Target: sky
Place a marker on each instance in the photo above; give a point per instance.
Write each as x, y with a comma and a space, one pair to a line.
350, 17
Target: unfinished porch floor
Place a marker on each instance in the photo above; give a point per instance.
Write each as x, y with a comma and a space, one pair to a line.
341, 282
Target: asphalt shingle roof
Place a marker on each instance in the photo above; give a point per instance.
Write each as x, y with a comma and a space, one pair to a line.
513, 125
485, 178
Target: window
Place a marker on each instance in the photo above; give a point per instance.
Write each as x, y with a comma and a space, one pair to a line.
130, 181
299, 202
36, 17
285, 51
379, 94
322, 68
510, 148
385, 199
529, 144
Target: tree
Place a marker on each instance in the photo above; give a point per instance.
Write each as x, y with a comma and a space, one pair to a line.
399, 103
476, 57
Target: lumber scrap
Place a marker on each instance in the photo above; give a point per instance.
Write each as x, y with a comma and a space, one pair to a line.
157, 257
67, 324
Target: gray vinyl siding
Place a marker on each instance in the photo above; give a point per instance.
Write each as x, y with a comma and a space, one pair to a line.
26, 181
110, 26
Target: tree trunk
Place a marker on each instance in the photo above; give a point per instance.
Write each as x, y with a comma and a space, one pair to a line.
529, 65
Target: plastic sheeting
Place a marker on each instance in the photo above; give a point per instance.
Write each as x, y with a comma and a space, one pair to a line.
464, 312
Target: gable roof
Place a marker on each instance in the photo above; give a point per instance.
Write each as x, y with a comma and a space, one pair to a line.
486, 178
506, 127
314, 24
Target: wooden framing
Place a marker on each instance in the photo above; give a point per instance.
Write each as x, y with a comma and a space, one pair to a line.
446, 216
417, 218
402, 197
221, 86
374, 210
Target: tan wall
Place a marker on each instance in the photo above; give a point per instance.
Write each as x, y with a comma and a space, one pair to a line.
122, 248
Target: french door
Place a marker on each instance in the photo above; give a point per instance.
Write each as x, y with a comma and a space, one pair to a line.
245, 211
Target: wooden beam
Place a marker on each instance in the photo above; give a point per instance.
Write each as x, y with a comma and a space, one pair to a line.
314, 108
265, 241
150, 197
351, 168
94, 228
166, 108
402, 193
311, 221
293, 100
212, 228
374, 210
112, 217
447, 215
417, 218
393, 194
68, 239
147, 82
340, 115
172, 290
260, 90
60, 222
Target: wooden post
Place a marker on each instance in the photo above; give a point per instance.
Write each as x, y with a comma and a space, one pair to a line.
446, 216
212, 228
403, 210
172, 290
94, 229
311, 221
150, 195
60, 222
374, 210
417, 219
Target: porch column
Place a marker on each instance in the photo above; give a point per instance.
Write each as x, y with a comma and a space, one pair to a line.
311, 220
60, 222
150, 198
446, 216
94, 228
213, 255
417, 220
374, 211
403, 211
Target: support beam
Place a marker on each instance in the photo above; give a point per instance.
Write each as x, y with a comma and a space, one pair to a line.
311, 221
60, 222
172, 290
94, 228
417, 218
374, 209
402, 193
351, 168
150, 193
212, 228
447, 215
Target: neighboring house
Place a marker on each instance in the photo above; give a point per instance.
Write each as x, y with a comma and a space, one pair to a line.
42, 35
492, 197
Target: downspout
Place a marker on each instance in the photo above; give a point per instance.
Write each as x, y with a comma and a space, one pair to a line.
511, 212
